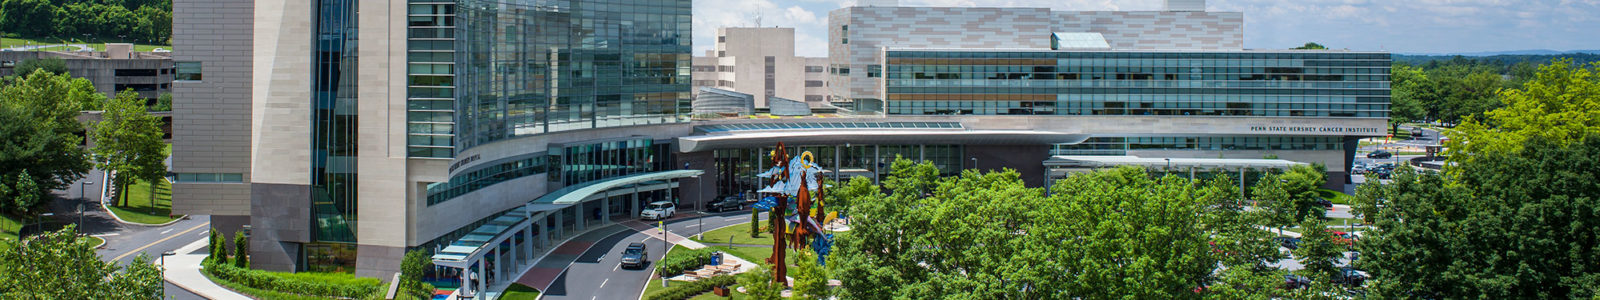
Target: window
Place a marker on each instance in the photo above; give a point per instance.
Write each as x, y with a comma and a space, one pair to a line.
814, 69
188, 71
135, 72
722, 39
208, 177
813, 83
844, 41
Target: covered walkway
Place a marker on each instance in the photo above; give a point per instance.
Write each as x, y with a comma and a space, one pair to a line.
493, 253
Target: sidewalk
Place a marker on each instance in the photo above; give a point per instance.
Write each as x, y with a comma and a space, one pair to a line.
183, 270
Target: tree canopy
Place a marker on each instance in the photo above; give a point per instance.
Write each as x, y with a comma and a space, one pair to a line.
1513, 217
1119, 233
61, 265
1312, 46
39, 148
145, 21
128, 142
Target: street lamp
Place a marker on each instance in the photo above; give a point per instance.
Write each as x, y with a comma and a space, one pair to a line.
975, 164
163, 259
701, 204
81, 187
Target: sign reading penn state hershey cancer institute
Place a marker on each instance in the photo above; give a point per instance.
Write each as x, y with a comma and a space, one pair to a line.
1321, 129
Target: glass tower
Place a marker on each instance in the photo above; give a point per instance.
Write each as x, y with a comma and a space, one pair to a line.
333, 143
527, 67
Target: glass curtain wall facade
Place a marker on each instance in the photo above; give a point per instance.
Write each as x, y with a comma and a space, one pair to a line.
333, 141
430, 78
528, 67
737, 168
1117, 146
1303, 83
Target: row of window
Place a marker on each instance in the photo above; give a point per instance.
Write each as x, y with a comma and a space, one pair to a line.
431, 84
1140, 55
1116, 146
1144, 109
208, 177
485, 176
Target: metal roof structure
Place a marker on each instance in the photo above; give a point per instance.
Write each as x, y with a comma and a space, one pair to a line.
1114, 161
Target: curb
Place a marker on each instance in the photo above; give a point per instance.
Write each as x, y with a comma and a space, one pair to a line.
119, 219
653, 274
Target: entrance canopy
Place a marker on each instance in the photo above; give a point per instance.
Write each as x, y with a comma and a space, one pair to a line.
472, 246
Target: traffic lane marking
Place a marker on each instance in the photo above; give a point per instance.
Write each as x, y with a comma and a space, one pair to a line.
141, 248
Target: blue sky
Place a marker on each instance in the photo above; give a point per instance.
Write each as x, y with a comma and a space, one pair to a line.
1401, 26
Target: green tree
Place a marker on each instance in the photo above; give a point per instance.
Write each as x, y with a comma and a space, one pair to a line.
1510, 224
1559, 103
755, 223
1291, 196
810, 279
61, 265
758, 283
27, 17
241, 249
857, 189
1312, 46
52, 65
39, 149
411, 270
1318, 250
1409, 86
163, 102
128, 141
153, 24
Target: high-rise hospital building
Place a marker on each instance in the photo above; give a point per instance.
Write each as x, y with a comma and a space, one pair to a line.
344, 132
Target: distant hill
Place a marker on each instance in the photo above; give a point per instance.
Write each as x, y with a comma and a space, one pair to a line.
1512, 52
1582, 57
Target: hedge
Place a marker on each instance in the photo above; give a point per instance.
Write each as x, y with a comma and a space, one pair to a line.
679, 260
269, 281
685, 290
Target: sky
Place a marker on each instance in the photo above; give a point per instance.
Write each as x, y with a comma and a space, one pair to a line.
1399, 26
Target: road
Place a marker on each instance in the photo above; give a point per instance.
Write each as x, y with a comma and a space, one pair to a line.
124, 242
80, 47
597, 273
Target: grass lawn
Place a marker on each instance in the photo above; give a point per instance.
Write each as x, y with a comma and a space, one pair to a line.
1336, 196
142, 208
517, 291
1400, 134
98, 45
740, 235
8, 229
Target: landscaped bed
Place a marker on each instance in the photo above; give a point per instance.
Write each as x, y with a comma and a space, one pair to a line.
517, 291
144, 209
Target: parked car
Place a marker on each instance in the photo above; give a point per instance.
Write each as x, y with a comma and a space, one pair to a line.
1381, 173
636, 255
729, 203
1380, 154
1351, 276
1358, 169
1291, 281
1323, 202
1343, 238
1288, 242
658, 210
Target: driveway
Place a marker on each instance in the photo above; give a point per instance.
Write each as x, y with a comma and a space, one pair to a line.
596, 273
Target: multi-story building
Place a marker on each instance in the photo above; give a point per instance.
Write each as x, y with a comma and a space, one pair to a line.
115, 70
488, 131
760, 61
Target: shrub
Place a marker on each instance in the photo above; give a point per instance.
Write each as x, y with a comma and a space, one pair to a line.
679, 260
241, 250
755, 223
286, 283
685, 290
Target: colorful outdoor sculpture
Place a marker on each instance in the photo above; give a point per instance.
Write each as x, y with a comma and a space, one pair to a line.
794, 177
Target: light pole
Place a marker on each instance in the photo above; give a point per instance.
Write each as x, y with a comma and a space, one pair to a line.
975, 164
81, 187
701, 204
164, 256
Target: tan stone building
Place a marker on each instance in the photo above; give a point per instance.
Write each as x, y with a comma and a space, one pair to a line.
761, 62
